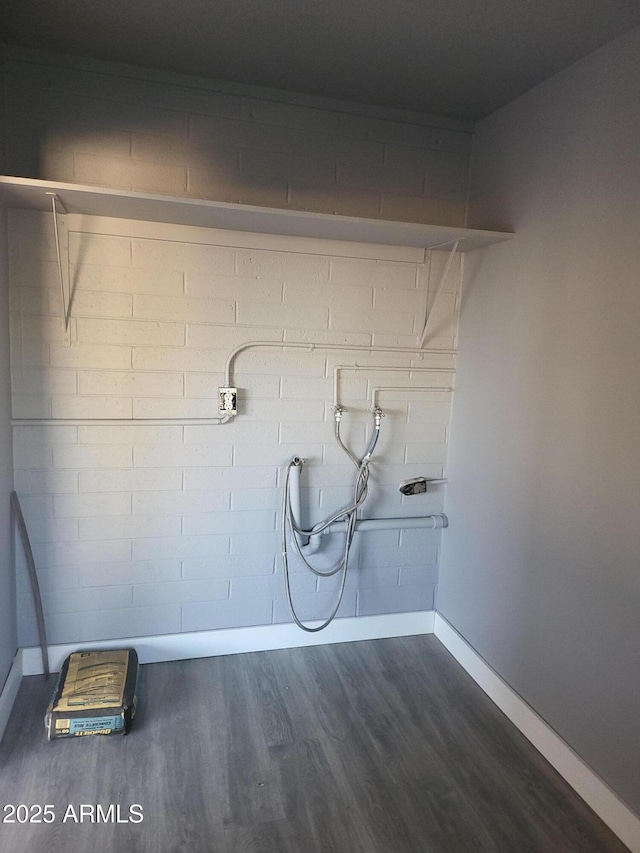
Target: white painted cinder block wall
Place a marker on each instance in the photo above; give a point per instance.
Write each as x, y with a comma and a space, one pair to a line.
149, 529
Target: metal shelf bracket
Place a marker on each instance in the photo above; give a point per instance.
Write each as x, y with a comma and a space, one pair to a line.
443, 278
61, 231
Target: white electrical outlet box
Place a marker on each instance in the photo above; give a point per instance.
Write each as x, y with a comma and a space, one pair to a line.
228, 401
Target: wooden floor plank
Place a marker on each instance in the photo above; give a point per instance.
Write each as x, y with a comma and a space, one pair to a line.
381, 746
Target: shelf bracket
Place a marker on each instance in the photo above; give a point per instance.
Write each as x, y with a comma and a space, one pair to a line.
61, 231
443, 278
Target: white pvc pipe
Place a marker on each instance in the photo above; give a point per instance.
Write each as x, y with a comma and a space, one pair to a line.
430, 522
312, 542
294, 490
447, 388
393, 368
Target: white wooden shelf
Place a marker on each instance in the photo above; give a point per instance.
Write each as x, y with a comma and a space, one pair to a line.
122, 204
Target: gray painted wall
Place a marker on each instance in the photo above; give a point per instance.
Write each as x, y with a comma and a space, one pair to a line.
540, 567
8, 642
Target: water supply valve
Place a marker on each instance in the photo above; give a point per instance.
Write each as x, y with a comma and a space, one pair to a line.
338, 411
378, 414
418, 485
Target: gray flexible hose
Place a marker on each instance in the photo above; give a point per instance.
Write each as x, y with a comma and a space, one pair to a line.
349, 513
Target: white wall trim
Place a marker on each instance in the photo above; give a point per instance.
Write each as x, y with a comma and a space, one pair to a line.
10, 690
233, 641
587, 784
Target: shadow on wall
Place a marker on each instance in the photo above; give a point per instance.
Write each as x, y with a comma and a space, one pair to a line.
141, 135
287, 169
195, 167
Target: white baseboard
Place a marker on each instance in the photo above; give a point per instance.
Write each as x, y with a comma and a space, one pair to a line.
232, 641
587, 784
10, 690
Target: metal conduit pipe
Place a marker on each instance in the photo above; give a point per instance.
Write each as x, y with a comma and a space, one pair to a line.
420, 351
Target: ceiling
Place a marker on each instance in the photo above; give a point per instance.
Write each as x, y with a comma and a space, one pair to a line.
456, 58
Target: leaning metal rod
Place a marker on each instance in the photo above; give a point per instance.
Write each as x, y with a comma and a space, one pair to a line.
16, 511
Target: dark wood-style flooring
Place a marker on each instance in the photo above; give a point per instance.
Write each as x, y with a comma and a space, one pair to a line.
383, 746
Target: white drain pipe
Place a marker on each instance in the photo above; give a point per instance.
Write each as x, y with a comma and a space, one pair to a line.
428, 522
296, 503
